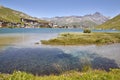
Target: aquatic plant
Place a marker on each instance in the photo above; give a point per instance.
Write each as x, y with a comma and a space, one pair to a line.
86, 31
114, 74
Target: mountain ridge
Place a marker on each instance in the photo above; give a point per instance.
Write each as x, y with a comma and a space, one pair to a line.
92, 21
113, 23
88, 20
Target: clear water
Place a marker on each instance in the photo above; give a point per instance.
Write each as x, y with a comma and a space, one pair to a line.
46, 30
25, 55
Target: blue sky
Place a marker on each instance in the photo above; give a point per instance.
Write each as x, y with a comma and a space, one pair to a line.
51, 8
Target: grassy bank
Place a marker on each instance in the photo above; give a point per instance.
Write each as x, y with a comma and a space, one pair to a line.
114, 74
84, 39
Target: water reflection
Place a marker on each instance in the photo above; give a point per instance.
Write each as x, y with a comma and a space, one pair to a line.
47, 61
24, 55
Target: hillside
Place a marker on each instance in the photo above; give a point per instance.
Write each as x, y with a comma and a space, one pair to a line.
9, 16
113, 23
90, 20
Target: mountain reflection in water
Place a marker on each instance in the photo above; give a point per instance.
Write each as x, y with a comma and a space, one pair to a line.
18, 51
45, 61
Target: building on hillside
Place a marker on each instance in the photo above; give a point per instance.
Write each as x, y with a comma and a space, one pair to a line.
5, 24
25, 23
34, 23
0, 23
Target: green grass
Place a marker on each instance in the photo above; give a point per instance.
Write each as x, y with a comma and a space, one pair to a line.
87, 31
10, 15
84, 39
114, 74
113, 23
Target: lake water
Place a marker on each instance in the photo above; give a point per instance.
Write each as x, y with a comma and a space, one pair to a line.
18, 51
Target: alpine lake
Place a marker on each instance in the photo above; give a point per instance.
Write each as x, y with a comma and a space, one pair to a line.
19, 51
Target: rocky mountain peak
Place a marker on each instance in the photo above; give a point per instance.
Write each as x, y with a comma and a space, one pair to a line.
97, 13
89, 20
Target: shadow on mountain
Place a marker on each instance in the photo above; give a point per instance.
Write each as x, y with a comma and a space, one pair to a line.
46, 61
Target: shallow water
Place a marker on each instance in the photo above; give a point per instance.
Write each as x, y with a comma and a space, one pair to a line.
25, 55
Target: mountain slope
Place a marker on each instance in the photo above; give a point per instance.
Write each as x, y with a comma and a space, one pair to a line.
113, 23
9, 15
90, 20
